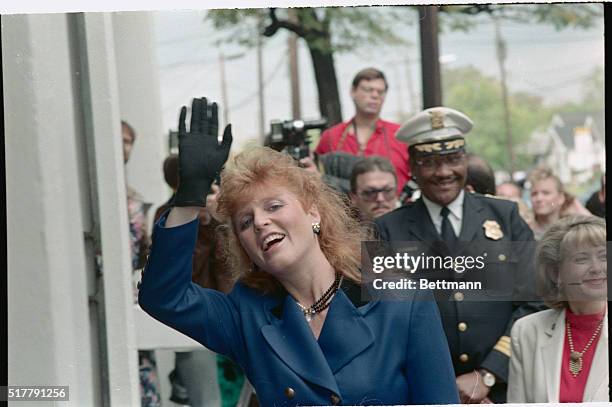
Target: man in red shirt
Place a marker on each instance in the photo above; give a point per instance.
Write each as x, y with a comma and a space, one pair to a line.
366, 133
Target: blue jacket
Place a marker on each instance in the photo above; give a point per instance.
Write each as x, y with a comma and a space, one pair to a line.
376, 353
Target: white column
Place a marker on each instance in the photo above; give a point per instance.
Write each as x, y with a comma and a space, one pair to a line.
64, 169
102, 112
51, 337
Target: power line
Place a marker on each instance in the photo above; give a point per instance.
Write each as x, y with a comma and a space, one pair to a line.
518, 44
202, 62
527, 41
562, 84
172, 41
179, 100
188, 54
197, 78
514, 25
190, 37
268, 79
571, 67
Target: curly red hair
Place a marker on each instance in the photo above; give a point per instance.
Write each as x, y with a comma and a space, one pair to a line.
341, 234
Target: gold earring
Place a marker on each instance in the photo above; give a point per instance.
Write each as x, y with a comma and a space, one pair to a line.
316, 228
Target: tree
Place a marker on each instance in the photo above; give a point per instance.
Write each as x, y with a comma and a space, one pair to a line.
479, 96
560, 16
325, 31
339, 29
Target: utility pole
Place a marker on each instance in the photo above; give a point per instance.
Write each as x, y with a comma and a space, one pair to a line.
260, 84
411, 95
224, 100
294, 73
400, 97
430, 63
501, 57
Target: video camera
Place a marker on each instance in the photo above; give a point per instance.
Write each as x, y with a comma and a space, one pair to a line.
290, 136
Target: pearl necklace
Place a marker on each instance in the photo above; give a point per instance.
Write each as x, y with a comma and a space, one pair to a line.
323, 301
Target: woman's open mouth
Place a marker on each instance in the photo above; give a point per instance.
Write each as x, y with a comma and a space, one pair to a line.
271, 241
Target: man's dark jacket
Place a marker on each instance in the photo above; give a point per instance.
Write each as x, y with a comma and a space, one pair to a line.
483, 339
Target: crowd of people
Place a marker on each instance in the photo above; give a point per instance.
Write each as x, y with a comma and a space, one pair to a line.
264, 267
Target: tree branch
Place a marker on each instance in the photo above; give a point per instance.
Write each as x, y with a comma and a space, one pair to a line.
275, 24
469, 10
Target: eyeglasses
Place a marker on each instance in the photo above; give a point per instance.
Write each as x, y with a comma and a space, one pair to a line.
372, 193
431, 163
369, 89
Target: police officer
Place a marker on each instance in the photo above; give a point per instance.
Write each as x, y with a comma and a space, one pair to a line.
478, 331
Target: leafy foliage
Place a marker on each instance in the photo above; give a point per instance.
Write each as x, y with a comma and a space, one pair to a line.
354, 27
351, 27
242, 26
560, 16
479, 96
348, 27
343, 29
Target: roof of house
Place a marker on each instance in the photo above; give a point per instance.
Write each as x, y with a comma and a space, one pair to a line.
569, 121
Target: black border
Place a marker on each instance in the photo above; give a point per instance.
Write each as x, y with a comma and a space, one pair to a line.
3, 218
608, 130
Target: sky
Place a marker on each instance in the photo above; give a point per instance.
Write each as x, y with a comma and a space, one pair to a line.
540, 60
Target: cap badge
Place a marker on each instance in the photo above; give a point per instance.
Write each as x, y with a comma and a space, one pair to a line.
437, 119
492, 230
428, 148
453, 144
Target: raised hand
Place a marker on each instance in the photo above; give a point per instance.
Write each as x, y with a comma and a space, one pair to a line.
201, 157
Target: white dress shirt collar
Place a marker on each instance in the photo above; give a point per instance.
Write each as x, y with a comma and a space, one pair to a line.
455, 216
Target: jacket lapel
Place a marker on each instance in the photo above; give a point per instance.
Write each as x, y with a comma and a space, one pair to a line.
421, 228
292, 340
345, 334
421, 225
552, 351
600, 364
472, 211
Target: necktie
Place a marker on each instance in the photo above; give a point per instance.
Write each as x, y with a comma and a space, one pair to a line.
447, 232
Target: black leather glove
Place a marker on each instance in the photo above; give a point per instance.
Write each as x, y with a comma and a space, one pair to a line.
201, 157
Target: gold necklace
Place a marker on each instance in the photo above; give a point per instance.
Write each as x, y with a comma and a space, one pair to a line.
575, 362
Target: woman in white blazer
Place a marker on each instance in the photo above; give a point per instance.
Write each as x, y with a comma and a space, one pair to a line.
561, 354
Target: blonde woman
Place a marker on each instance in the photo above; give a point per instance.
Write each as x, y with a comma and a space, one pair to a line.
561, 354
550, 201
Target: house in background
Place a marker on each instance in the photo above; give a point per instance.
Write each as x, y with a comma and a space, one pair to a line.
573, 146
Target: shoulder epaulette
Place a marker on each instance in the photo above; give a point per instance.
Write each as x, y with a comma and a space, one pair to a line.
498, 197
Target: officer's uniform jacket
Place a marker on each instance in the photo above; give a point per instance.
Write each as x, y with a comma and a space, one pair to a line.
478, 332
378, 353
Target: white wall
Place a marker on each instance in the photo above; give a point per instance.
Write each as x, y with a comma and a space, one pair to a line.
140, 104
